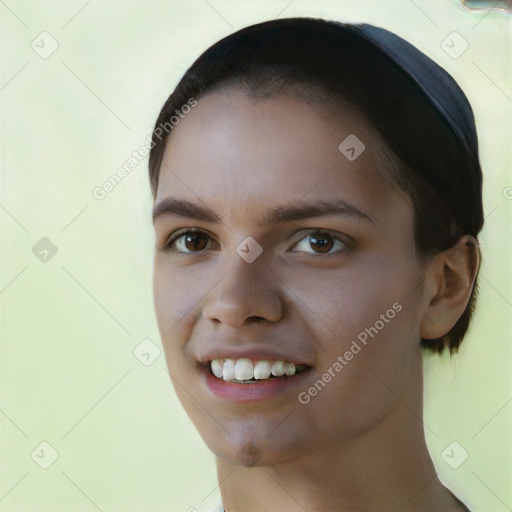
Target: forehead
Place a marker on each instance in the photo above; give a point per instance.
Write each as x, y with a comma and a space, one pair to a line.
235, 152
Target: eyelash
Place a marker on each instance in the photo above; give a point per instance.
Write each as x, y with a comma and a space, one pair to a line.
168, 246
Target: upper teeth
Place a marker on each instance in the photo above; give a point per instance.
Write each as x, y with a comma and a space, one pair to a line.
244, 369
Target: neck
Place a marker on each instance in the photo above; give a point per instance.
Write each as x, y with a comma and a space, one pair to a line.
386, 468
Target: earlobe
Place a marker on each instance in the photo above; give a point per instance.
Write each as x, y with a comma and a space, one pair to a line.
448, 287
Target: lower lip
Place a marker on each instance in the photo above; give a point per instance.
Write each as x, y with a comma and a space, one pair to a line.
259, 390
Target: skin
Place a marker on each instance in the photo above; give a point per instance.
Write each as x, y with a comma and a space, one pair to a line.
359, 443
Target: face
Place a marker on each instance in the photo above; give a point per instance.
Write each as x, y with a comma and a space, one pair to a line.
297, 254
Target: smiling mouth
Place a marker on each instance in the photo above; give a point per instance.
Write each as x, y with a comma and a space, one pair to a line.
247, 371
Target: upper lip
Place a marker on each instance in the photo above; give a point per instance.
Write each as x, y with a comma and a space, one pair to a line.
255, 353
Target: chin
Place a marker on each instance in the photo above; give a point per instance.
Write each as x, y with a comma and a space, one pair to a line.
244, 449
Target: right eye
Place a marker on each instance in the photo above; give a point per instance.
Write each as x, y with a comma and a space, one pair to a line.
189, 241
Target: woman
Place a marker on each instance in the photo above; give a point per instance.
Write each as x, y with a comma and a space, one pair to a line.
317, 204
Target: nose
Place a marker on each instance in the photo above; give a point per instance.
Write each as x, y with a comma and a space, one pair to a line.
249, 292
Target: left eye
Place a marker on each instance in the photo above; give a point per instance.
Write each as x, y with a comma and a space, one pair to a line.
191, 241
321, 241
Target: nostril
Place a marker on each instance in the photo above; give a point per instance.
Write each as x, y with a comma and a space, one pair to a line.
255, 319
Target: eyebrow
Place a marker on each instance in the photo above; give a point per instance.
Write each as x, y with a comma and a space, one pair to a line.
276, 215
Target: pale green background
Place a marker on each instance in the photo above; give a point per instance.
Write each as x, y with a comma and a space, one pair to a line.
69, 326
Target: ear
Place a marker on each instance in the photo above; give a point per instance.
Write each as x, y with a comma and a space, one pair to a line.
450, 278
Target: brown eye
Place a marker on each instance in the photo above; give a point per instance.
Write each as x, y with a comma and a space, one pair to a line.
195, 241
188, 242
320, 242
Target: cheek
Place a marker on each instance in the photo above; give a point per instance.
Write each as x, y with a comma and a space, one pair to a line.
362, 387
369, 319
176, 297
348, 301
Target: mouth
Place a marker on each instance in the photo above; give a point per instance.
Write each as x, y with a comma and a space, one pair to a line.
246, 379
246, 371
